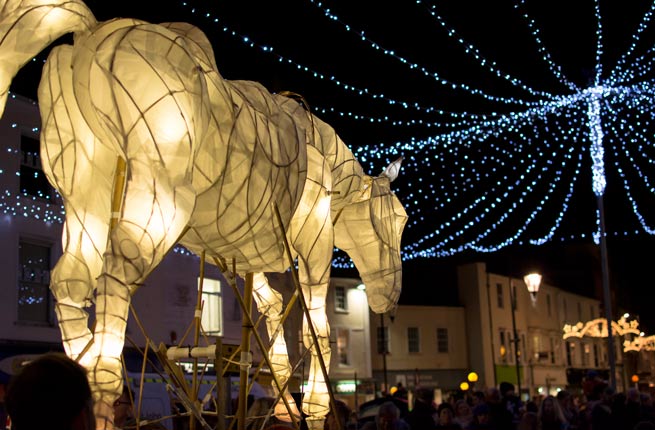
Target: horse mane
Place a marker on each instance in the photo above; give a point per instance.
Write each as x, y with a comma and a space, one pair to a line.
348, 176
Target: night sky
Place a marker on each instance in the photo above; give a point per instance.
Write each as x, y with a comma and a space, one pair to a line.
299, 30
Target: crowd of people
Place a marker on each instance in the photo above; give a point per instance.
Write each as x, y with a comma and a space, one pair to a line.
599, 407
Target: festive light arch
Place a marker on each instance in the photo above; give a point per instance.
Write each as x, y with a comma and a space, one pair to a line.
488, 179
550, 134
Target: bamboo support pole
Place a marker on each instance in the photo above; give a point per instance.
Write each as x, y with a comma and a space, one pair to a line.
245, 352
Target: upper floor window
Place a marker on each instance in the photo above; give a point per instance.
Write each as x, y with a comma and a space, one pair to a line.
340, 299
570, 353
586, 351
442, 339
499, 296
413, 340
32, 179
35, 303
212, 311
548, 306
580, 312
343, 346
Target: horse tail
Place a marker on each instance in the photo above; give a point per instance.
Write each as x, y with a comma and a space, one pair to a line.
29, 26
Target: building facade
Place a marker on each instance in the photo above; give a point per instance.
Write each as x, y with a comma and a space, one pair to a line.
421, 345
547, 363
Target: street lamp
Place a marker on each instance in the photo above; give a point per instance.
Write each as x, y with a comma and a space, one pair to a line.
532, 282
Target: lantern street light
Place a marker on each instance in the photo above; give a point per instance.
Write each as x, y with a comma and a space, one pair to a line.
532, 282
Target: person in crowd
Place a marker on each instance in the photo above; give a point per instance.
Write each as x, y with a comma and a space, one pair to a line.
531, 406
569, 409
510, 402
550, 416
463, 413
482, 419
601, 411
529, 421
633, 410
619, 412
499, 416
477, 398
343, 414
50, 393
591, 384
422, 415
447, 417
401, 391
387, 418
647, 409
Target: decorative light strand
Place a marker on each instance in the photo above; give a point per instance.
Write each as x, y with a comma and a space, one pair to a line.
484, 62
423, 70
555, 69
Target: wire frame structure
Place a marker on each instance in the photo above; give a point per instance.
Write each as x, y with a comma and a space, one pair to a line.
149, 147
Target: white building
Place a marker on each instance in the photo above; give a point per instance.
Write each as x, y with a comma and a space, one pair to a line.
547, 363
425, 345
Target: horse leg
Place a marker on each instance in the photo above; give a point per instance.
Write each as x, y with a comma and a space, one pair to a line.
270, 304
312, 237
69, 151
155, 212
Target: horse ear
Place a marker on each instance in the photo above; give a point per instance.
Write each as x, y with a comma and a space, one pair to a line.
393, 169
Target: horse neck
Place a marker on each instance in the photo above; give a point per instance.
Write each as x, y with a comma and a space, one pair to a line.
347, 174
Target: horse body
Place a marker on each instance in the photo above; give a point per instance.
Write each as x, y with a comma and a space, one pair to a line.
182, 155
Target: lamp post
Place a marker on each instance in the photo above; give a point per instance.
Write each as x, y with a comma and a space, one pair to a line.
384, 353
532, 282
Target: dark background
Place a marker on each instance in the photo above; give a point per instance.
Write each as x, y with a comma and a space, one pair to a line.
299, 30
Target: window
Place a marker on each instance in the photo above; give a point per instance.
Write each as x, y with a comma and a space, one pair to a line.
548, 309
212, 311
413, 340
340, 299
383, 340
592, 314
343, 346
586, 350
596, 356
565, 310
499, 296
552, 351
35, 303
32, 179
570, 352
442, 340
580, 312
503, 347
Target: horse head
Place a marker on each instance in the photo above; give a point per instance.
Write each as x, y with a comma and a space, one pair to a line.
369, 230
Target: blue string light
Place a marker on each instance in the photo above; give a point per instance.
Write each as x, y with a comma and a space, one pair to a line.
497, 177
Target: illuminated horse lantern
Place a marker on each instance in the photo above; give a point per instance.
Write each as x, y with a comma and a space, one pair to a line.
149, 146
